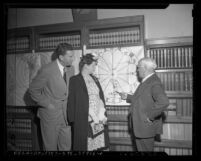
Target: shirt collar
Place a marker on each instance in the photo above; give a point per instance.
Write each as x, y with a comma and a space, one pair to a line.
61, 67
147, 77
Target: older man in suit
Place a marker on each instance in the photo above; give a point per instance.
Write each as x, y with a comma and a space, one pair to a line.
147, 104
50, 90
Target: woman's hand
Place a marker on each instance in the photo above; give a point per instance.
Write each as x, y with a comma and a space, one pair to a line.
104, 121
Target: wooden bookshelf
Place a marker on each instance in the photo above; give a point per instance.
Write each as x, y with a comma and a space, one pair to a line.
163, 143
179, 94
175, 53
175, 69
47, 40
174, 144
21, 129
169, 119
20, 40
115, 32
170, 147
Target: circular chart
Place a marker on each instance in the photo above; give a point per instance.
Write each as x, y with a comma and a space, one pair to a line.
116, 71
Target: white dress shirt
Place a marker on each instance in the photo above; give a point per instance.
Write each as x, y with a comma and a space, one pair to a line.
145, 78
61, 67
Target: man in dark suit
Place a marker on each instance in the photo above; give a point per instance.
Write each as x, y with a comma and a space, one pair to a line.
147, 104
50, 90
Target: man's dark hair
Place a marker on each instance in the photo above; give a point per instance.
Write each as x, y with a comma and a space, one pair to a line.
62, 48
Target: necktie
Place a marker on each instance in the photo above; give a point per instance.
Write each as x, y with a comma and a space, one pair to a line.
64, 74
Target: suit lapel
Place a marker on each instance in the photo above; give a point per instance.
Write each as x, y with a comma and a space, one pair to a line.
143, 86
69, 73
82, 82
58, 73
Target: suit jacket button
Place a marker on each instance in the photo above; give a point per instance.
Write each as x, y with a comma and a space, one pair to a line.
65, 94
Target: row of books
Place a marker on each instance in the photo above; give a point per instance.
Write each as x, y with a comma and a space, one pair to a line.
114, 38
18, 122
176, 81
184, 107
180, 107
19, 125
121, 148
52, 42
20, 145
177, 131
174, 57
17, 110
19, 130
117, 129
117, 110
168, 151
174, 151
172, 131
118, 133
177, 107
18, 44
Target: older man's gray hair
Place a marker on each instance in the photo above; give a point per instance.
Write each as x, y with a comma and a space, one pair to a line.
148, 63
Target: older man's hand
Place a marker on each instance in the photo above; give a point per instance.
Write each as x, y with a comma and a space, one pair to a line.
123, 95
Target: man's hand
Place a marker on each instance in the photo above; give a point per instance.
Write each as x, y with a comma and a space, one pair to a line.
148, 120
122, 95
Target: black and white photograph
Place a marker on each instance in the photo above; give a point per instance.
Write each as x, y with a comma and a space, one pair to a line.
100, 79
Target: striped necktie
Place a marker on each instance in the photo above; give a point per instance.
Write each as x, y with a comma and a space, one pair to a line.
64, 73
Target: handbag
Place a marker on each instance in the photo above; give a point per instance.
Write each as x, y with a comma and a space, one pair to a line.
95, 129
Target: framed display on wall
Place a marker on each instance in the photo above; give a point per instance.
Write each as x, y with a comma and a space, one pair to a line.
116, 71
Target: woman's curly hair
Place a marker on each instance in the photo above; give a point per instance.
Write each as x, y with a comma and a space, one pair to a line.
86, 59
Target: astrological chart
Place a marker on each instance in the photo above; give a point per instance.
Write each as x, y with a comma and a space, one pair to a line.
116, 71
